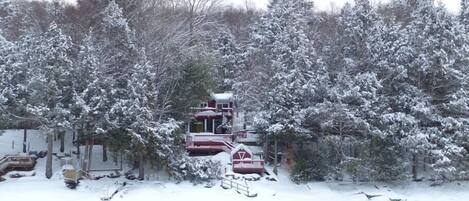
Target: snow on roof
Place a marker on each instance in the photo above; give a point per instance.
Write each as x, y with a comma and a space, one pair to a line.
68, 167
208, 113
226, 96
240, 147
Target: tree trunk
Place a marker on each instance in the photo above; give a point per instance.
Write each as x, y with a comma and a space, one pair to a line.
90, 153
62, 141
415, 166
122, 159
77, 143
141, 167
73, 134
104, 151
84, 166
266, 148
49, 156
25, 136
275, 155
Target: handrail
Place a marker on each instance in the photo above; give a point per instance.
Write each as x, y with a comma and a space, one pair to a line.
238, 186
210, 135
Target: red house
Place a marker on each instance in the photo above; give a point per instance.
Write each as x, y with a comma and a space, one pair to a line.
210, 128
210, 132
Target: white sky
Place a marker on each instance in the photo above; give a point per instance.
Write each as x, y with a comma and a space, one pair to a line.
327, 5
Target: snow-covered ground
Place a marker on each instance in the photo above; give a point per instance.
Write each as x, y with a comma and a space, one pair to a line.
36, 187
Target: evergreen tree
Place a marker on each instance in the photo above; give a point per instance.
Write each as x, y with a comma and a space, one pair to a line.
356, 26
50, 89
464, 13
193, 81
231, 61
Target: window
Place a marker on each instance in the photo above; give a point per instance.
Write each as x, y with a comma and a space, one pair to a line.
224, 105
202, 105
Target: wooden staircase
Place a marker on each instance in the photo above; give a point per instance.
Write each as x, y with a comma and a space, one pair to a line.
228, 146
15, 162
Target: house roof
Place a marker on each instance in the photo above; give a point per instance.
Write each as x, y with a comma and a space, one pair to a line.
240, 147
208, 113
226, 96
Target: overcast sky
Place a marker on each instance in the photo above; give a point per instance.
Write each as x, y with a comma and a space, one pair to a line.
327, 5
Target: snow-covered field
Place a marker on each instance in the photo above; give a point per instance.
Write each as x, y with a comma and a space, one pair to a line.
38, 188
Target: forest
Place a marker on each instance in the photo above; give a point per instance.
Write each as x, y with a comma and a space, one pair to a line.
366, 93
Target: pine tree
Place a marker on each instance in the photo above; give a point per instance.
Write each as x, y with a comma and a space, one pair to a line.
231, 62
437, 70
5, 53
118, 58
285, 64
193, 81
464, 13
50, 88
356, 26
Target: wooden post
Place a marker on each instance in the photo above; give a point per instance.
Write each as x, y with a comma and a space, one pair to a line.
49, 155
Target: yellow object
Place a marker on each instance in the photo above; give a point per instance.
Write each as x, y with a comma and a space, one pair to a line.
70, 175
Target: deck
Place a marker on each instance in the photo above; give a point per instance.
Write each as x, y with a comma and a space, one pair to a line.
208, 143
248, 166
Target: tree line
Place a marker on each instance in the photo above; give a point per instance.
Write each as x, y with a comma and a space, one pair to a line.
367, 93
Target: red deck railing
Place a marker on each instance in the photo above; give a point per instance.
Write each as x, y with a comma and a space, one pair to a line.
190, 139
209, 142
248, 166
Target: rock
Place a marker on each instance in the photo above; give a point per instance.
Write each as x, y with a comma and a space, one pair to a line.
114, 175
436, 184
16, 175
130, 176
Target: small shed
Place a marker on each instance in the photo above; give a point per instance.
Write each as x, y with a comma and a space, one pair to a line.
241, 152
242, 161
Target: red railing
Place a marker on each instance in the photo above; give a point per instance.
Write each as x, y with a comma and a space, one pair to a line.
247, 163
190, 139
241, 134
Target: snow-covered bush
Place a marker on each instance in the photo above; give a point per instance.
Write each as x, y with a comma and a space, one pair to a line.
194, 169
